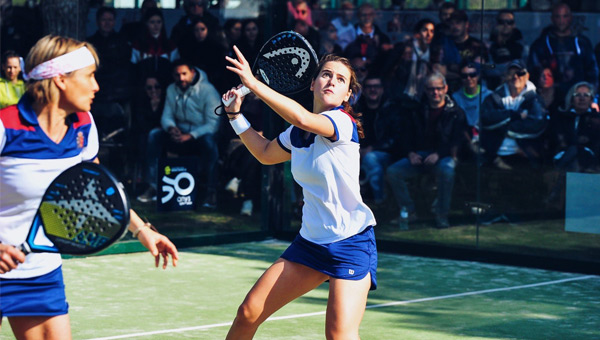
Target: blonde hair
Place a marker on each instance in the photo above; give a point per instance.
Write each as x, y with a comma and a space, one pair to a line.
44, 91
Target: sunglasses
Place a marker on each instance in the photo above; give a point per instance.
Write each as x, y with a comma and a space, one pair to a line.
505, 22
433, 89
373, 86
582, 95
153, 87
520, 73
469, 75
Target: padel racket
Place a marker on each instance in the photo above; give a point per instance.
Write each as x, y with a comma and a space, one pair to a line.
83, 211
286, 63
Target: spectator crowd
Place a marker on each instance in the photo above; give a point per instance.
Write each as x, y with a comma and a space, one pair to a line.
431, 99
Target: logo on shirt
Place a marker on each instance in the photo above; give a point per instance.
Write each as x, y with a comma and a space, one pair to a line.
80, 140
351, 271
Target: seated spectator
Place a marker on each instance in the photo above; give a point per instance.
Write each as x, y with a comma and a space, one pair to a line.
568, 53
188, 127
206, 54
381, 125
505, 47
131, 30
153, 52
371, 42
458, 46
411, 80
251, 41
11, 87
467, 98
329, 41
147, 108
114, 75
233, 32
512, 120
578, 131
442, 29
397, 70
361, 68
346, 31
300, 10
194, 9
242, 172
577, 128
309, 33
433, 132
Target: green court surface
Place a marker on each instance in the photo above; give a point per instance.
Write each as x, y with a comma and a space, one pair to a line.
125, 297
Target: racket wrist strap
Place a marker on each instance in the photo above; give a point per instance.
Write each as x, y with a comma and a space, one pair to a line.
240, 124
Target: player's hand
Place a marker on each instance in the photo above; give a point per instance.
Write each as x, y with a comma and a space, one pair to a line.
432, 159
235, 105
10, 257
159, 245
415, 158
241, 67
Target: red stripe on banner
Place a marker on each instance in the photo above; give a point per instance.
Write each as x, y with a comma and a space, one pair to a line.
12, 120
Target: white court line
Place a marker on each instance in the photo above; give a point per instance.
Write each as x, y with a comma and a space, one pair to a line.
395, 303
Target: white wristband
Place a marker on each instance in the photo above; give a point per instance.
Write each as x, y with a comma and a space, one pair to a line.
240, 124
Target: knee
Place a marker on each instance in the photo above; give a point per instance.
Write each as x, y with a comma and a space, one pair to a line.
249, 314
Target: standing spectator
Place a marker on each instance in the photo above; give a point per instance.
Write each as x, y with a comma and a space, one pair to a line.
153, 52
206, 54
433, 133
468, 99
309, 33
250, 43
233, 33
188, 127
371, 42
194, 9
113, 76
566, 52
512, 120
458, 46
397, 70
506, 46
346, 31
381, 127
11, 87
147, 108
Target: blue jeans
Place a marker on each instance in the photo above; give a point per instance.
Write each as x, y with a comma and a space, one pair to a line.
399, 172
374, 164
205, 147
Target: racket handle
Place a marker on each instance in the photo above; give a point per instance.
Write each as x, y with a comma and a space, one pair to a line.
244, 90
24, 248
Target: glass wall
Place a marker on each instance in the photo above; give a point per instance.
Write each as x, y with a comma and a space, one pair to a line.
507, 191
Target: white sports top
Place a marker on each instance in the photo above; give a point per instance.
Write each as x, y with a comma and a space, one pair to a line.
29, 162
328, 173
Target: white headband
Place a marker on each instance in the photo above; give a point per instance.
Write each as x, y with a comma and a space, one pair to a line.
63, 64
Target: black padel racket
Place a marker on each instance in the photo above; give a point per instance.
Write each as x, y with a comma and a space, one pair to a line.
286, 63
83, 211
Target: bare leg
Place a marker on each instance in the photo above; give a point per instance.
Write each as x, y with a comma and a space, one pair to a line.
283, 282
41, 327
346, 307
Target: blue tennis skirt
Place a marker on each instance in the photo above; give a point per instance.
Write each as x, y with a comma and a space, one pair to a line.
37, 296
348, 259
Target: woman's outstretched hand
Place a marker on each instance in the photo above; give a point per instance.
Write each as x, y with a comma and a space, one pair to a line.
241, 67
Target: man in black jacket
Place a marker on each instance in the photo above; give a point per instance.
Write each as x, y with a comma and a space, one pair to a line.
434, 130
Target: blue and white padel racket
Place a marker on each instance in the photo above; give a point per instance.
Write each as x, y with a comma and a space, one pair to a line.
83, 211
286, 63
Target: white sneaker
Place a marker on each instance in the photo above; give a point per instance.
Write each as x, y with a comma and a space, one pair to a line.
233, 186
246, 208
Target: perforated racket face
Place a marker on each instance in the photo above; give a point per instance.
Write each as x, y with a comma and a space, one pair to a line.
286, 63
83, 211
